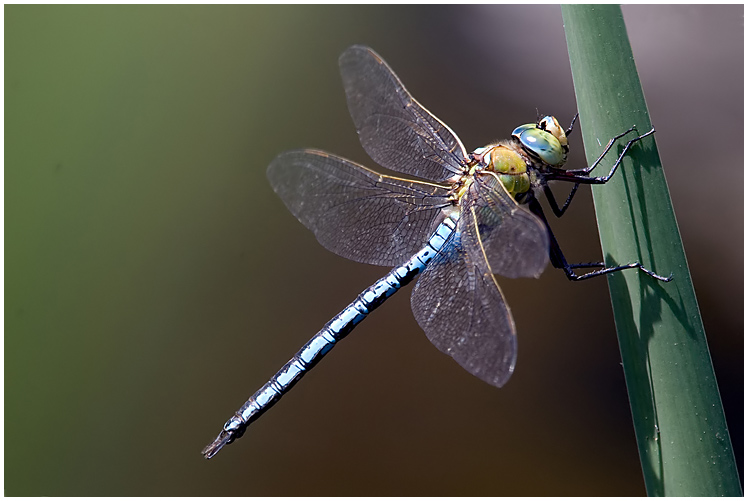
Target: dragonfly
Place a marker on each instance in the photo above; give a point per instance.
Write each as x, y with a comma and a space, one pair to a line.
457, 219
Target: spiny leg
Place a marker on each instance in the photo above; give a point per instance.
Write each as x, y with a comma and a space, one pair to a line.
558, 260
558, 212
608, 146
575, 176
571, 125
612, 269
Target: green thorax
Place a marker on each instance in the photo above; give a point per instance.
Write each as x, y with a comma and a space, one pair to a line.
510, 168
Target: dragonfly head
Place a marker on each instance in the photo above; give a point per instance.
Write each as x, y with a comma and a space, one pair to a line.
545, 140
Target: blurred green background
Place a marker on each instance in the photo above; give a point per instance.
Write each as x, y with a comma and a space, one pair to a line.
154, 281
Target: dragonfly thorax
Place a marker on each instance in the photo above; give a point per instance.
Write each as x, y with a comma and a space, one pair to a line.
544, 140
509, 166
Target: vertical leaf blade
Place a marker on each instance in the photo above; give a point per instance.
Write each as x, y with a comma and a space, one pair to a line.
679, 422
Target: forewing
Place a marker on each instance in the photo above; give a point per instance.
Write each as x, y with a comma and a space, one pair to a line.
394, 129
356, 212
459, 305
512, 240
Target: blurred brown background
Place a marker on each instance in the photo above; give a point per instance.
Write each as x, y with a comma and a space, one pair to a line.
154, 281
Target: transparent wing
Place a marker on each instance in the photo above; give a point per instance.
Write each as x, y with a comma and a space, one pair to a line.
355, 212
459, 305
512, 240
394, 129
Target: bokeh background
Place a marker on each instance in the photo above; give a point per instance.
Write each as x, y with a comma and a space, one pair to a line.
153, 281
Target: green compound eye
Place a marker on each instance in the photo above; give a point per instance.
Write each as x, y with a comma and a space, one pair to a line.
516, 133
541, 143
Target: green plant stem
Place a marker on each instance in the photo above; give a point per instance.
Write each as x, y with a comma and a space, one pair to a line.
680, 426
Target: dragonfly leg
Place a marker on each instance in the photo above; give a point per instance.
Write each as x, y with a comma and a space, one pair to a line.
558, 260
580, 175
571, 125
611, 269
559, 211
612, 141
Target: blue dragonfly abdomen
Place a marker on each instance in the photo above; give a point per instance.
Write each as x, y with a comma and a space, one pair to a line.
335, 330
